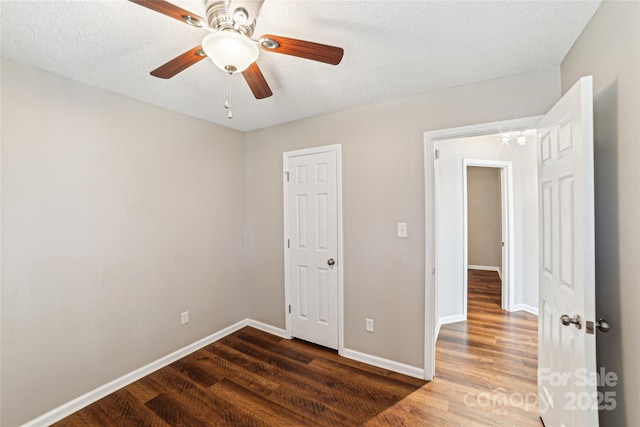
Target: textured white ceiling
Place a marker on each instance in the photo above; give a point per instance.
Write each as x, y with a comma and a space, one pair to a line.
392, 49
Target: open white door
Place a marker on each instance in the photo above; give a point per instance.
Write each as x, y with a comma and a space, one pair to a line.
567, 345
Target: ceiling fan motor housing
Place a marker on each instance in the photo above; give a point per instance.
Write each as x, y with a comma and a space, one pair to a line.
219, 18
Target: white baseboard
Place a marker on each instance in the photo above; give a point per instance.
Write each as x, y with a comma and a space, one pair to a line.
525, 307
86, 399
486, 268
451, 319
380, 362
267, 328
92, 396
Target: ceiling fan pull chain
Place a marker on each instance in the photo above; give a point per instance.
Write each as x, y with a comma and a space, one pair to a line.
227, 101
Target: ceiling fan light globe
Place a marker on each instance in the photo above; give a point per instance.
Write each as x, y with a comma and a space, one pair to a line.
230, 50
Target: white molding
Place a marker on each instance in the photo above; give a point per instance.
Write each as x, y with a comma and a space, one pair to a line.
437, 331
526, 307
505, 126
96, 394
431, 231
507, 225
454, 318
486, 268
380, 362
337, 148
279, 332
286, 243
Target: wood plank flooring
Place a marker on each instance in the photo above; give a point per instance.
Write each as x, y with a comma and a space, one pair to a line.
485, 375
492, 359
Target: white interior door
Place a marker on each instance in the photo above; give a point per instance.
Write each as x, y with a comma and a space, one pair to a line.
312, 204
567, 353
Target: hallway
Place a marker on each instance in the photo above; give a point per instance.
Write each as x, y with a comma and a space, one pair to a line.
488, 364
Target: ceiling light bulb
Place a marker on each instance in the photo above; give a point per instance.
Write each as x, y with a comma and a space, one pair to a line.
230, 51
521, 139
505, 138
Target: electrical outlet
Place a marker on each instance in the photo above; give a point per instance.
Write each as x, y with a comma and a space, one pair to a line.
369, 325
184, 317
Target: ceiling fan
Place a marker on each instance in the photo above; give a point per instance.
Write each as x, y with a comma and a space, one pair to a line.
229, 45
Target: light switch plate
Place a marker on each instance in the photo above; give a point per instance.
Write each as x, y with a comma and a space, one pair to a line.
402, 229
369, 325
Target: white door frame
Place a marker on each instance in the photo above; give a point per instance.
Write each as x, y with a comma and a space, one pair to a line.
507, 225
430, 140
337, 148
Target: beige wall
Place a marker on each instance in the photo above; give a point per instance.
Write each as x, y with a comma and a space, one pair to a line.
116, 217
383, 183
484, 214
609, 49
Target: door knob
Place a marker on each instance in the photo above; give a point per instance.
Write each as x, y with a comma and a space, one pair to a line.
331, 261
603, 325
576, 320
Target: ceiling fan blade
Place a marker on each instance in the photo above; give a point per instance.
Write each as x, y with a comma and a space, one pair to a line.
179, 63
301, 48
257, 82
172, 11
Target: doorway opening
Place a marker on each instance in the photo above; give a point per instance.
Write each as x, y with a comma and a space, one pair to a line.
488, 224
564, 233
451, 211
445, 252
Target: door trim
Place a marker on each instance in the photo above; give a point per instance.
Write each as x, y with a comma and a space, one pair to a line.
431, 234
507, 224
337, 148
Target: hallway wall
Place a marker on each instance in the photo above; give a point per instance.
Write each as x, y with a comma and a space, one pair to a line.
484, 213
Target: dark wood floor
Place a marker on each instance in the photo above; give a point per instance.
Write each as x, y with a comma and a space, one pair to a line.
251, 378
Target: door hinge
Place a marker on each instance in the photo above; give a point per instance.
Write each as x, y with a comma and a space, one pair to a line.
436, 154
287, 175
289, 243
289, 308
